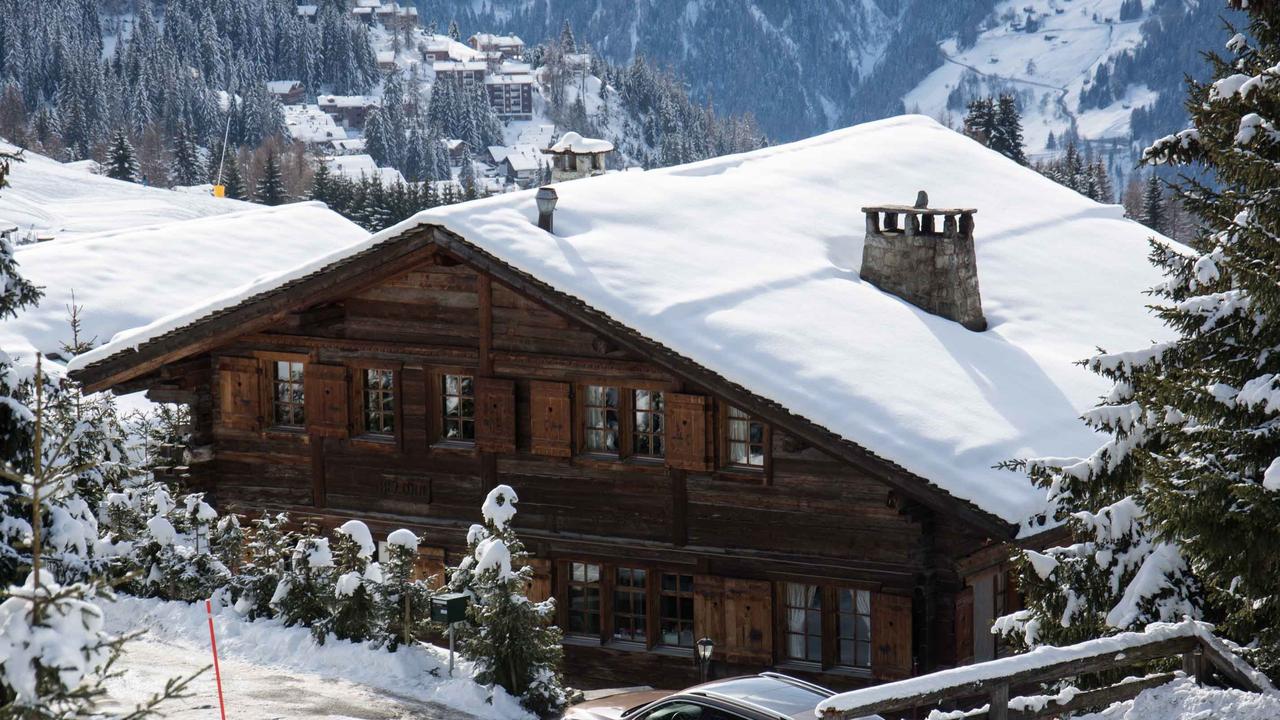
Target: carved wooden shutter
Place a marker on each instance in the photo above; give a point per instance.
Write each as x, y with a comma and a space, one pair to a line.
239, 399
429, 566
890, 636
325, 397
964, 626
748, 620
495, 415
689, 442
550, 416
708, 610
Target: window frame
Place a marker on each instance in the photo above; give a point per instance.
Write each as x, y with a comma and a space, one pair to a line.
626, 421
652, 640
636, 433
360, 433
433, 377
601, 591
726, 469
829, 629
678, 594
267, 390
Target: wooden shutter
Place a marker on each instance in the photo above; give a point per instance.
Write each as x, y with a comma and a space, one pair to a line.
708, 610
890, 636
689, 442
239, 398
748, 621
540, 585
549, 413
429, 566
964, 626
495, 415
325, 396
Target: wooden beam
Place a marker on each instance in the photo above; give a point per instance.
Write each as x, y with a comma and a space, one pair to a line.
484, 290
441, 354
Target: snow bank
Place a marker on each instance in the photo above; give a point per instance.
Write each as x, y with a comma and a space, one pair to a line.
1183, 699
403, 538
419, 672
131, 276
748, 265
359, 532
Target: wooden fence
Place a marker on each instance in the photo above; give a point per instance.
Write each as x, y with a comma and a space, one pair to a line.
1204, 657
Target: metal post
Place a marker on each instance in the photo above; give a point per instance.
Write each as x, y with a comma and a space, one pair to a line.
452, 626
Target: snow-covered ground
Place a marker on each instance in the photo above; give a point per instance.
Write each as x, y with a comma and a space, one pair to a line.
271, 671
47, 197
1183, 699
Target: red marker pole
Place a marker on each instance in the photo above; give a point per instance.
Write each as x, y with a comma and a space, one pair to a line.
217, 674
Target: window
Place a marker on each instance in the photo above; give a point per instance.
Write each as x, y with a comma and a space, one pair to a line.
686, 710
630, 604
377, 401
584, 599
649, 415
675, 605
745, 439
601, 404
803, 606
287, 407
853, 628
457, 394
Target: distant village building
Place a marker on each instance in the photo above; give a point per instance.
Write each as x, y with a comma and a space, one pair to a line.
510, 96
348, 146
466, 72
386, 60
576, 157
307, 11
288, 92
310, 124
508, 46
355, 167
349, 111
522, 165
456, 149
396, 18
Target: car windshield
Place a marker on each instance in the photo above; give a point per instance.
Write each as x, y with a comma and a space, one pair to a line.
778, 695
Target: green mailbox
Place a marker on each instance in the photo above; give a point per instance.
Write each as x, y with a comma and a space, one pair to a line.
449, 608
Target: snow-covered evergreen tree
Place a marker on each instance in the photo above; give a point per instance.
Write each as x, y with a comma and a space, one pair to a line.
232, 181
980, 121
270, 555
1179, 512
270, 187
122, 160
187, 167
405, 601
357, 605
1153, 214
512, 640
305, 593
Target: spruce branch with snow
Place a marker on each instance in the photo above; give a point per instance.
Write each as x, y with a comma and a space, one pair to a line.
1179, 512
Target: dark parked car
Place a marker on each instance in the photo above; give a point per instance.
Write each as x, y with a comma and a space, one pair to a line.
767, 696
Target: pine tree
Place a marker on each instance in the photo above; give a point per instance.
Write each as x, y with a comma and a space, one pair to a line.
232, 181
512, 641
305, 592
980, 122
467, 176
1008, 127
405, 601
1179, 512
1153, 214
567, 42
122, 161
187, 167
454, 33
357, 587
270, 188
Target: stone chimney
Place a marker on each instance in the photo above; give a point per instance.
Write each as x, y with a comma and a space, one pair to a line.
934, 268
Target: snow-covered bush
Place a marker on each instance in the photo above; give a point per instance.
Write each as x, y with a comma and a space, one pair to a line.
511, 640
269, 550
357, 599
405, 601
304, 595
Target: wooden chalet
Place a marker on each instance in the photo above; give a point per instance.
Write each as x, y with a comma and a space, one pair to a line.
665, 494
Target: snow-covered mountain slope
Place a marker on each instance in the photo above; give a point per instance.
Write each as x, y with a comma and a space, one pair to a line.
66, 200
132, 275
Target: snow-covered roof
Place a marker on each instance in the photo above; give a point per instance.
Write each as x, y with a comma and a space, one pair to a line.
575, 143
483, 39
362, 164
132, 276
281, 87
525, 158
307, 10
308, 123
457, 65
748, 265
348, 100
506, 79
511, 67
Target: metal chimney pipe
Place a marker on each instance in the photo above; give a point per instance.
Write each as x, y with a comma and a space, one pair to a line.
546, 199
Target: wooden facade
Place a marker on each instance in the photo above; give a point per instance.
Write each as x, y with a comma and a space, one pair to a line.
403, 383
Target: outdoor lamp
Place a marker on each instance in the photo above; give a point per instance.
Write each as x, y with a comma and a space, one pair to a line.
704, 647
547, 199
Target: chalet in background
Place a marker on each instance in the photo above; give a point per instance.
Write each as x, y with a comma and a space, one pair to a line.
724, 418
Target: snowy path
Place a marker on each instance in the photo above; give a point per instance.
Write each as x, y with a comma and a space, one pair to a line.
255, 692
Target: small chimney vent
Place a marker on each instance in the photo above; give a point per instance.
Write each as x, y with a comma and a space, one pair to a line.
936, 270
